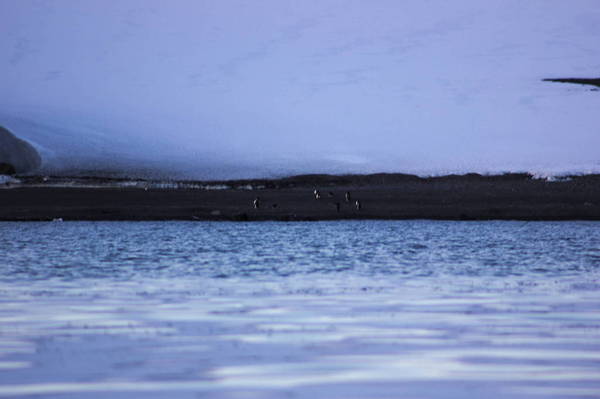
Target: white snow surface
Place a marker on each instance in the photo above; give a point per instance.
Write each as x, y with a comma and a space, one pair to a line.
247, 89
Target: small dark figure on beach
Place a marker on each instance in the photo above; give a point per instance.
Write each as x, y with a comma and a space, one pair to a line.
317, 194
358, 205
347, 196
337, 206
256, 202
274, 205
330, 194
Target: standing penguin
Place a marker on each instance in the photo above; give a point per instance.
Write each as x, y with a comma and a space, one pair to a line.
317, 194
256, 202
358, 205
347, 196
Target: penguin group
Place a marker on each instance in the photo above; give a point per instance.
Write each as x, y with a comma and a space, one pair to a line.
256, 203
347, 196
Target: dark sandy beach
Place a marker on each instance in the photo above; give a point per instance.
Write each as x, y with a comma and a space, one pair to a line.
382, 196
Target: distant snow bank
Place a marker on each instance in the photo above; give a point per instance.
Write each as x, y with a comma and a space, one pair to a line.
296, 181
4, 179
100, 182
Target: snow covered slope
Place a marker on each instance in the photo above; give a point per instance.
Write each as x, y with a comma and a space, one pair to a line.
244, 89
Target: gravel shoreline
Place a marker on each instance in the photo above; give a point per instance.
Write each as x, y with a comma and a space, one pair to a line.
382, 196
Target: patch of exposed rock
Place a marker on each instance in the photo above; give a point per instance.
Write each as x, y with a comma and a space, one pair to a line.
17, 153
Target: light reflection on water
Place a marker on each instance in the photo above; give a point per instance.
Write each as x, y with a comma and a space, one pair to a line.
331, 310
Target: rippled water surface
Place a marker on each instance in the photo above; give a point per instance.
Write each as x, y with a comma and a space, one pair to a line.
369, 309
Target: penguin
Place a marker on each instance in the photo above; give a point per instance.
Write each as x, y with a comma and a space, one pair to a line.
317, 194
256, 203
358, 205
347, 196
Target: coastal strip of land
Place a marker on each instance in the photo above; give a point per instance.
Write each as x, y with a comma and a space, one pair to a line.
379, 196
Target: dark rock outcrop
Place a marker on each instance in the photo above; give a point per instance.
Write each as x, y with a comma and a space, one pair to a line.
18, 153
581, 81
7, 169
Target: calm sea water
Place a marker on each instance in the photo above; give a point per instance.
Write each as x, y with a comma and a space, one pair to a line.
364, 309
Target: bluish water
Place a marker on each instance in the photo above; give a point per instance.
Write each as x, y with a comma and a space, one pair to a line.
294, 310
